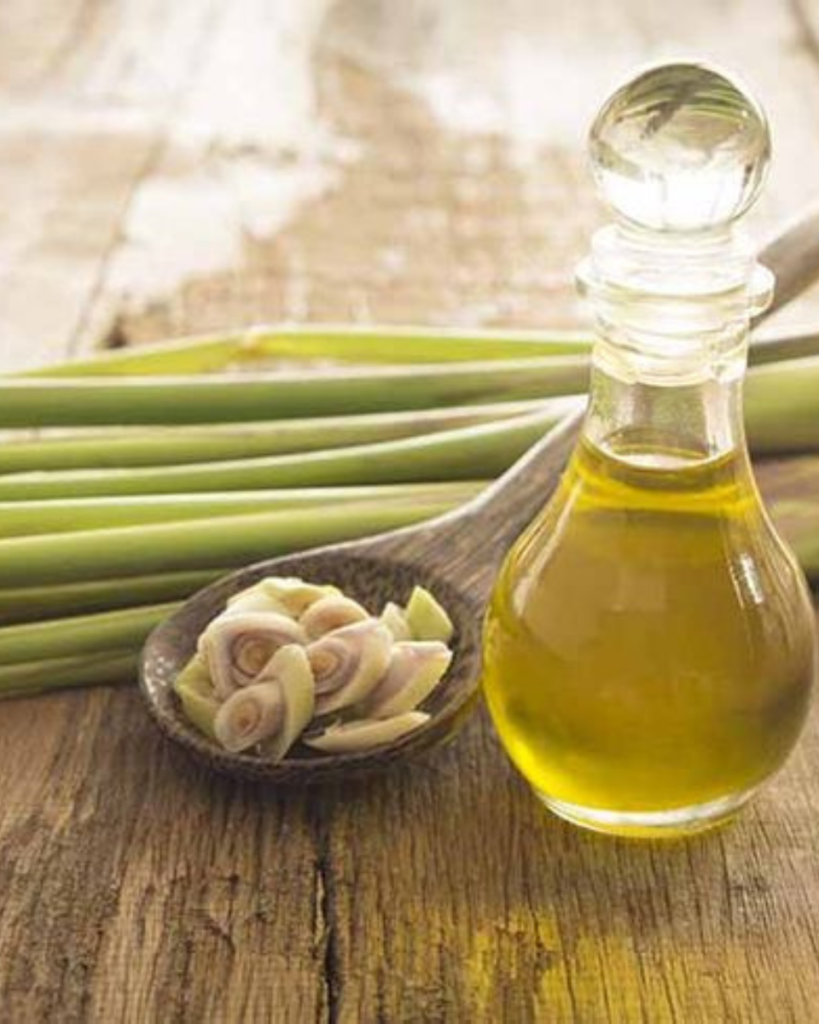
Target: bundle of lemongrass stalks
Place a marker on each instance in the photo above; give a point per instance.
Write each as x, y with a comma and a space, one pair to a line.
153, 471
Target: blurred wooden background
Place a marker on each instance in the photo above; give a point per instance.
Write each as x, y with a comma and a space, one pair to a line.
174, 167
169, 168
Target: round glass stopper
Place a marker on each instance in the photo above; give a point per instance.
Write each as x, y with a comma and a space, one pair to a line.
681, 147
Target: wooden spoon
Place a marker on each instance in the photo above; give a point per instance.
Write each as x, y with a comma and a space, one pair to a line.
455, 556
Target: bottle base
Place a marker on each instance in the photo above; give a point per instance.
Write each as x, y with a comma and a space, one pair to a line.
674, 824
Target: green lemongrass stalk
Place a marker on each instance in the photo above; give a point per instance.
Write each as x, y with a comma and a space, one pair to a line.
364, 344
35, 677
198, 544
805, 545
27, 518
782, 406
75, 651
782, 414
179, 400
35, 604
339, 343
81, 634
359, 344
797, 519
140, 446
89, 401
463, 454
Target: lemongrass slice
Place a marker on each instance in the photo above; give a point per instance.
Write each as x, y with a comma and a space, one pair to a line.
237, 647
195, 690
285, 595
348, 663
293, 593
426, 618
289, 669
249, 716
395, 620
255, 599
330, 613
416, 668
273, 712
351, 737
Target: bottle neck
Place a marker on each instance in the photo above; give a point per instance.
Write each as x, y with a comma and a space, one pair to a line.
664, 424
672, 317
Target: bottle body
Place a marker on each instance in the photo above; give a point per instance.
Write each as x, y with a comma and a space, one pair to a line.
649, 647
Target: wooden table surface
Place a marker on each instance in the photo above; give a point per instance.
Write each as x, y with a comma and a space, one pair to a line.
166, 168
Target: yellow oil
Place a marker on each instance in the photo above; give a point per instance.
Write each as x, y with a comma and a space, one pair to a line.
649, 647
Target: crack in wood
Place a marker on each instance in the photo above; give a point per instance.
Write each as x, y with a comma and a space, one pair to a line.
327, 913
97, 289
156, 152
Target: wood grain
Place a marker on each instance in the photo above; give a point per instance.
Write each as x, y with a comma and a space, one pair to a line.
137, 888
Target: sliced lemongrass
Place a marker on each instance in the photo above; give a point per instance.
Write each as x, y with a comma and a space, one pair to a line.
294, 594
426, 619
290, 670
195, 690
330, 613
416, 667
348, 663
355, 737
288, 596
249, 716
271, 712
254, 600
238, 645
395, 620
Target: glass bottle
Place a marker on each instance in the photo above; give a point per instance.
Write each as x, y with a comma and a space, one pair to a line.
649, 647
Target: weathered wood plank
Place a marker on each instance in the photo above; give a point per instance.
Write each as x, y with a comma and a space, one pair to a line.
136, 888
457, 896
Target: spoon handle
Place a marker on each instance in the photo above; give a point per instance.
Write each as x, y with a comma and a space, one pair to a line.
468, 544
793, 256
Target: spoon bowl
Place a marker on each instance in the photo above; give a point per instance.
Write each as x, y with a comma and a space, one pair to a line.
372, 582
